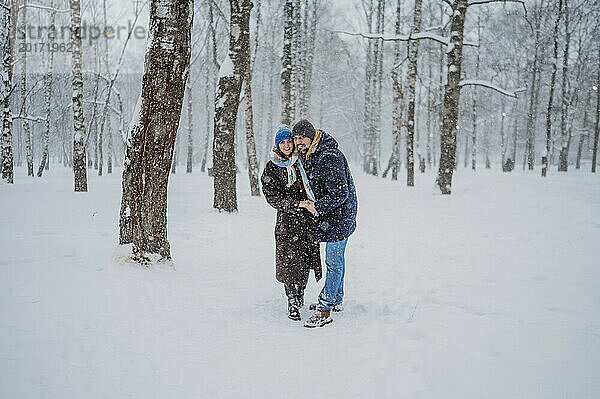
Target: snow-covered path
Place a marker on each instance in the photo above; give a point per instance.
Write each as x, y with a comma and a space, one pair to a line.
493, 292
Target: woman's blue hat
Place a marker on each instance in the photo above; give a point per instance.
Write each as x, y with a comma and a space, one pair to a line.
283, 133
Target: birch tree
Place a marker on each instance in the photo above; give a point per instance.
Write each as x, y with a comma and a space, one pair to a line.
227, 100
398, 97
546, 153
152, 134
412, 79
79, 138
249, 123
597, 124
287, 102
11, 12
23, 113
48, 86
565, 132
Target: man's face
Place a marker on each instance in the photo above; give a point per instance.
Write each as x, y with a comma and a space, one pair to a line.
302, 143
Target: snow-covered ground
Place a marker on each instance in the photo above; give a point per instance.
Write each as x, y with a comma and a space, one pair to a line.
492, 292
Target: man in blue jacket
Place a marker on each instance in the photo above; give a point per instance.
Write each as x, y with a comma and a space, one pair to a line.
333, 203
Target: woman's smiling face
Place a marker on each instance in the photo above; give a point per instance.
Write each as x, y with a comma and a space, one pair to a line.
286, 146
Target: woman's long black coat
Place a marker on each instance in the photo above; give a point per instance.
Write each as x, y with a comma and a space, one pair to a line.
296, 251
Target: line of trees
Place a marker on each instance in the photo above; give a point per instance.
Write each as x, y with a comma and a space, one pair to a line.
402, 79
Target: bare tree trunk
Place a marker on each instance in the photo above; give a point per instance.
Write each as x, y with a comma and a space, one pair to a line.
9, 33
502, 135
565, 133
451, 97
368, 95
110, 148
532, 115
474, 99
143, 218
26, 127
597, 125
249, 122
287, 101
582, 137
210, 84
190, 129
550, 100
429, 110
48, 81
79, 171
412, 79
228, 97
398, 96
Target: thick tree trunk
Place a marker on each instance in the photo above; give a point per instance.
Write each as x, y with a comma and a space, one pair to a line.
551, 98
79, 171
227, 101
451, 98
9, 33
143, 218
412, 80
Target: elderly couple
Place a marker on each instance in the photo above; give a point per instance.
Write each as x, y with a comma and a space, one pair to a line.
309, 182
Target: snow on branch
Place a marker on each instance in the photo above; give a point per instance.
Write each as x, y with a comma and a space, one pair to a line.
40, 7
490, 85
29, 118
477, 2
405, 38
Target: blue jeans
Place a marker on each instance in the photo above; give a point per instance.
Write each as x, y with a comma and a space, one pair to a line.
333, 290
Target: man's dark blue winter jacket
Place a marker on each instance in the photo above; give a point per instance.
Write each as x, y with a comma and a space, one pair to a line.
331, 182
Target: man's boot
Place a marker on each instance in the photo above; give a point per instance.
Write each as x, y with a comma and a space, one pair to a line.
319, 319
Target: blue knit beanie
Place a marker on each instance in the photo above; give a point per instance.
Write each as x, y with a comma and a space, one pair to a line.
283, 132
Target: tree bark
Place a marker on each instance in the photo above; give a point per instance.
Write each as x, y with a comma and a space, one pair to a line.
532, 114
551, 98
398, 96
48, 83
412, 79
9, 30
79, 170
249, 122
152, 135
26, 127
287, 102
451, 97
227, 101
190, 129
565, 132
597, 125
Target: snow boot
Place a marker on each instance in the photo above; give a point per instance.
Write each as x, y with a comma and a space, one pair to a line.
319, 319
336, 308
293, 312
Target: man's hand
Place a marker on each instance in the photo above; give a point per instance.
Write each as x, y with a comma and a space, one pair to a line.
308, 204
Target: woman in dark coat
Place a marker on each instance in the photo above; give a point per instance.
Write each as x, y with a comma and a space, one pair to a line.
296, 251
